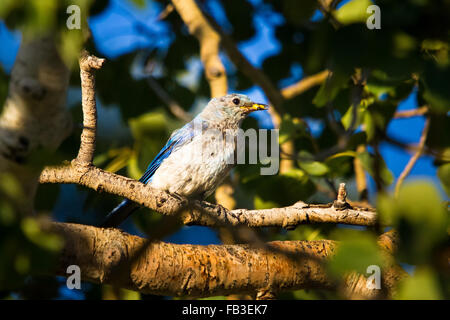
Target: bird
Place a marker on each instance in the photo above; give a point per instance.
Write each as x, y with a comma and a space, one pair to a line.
195, 159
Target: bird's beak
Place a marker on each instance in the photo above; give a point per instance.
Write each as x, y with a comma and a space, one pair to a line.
254, 107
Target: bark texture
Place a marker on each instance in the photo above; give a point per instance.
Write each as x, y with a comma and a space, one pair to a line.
209, 44
34, 116
111, 256
202, 212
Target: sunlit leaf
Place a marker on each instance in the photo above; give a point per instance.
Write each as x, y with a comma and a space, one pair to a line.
356, 251
353, 11
330, 88
48, 241
444, 175
423, 285
419, 217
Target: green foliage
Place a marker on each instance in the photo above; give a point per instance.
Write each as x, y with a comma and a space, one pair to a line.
35, 18
292, 185
3, 87
314, 168
419, 217
423, 285
444, 175
330, 89
291, 128
25, 249
353, 12
369, 163
356, 251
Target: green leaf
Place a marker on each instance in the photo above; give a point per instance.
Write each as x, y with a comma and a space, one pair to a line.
347, 118
139, 3
121, 159
369, 126
377, 117
10, 186
291, 128
330, 88
48, 241
419, 217
435, 85
296, 12
147, 124
353, 11
356, 251
368, 163
314, 168
260, 203
342, 154
443, 173
290, 187
423, 285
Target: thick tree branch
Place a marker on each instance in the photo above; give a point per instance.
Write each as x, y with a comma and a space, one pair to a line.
256, 75
34, 116
109, 256
209, 44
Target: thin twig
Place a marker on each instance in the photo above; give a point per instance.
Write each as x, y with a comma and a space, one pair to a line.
88, 64
360, 174
304, 84
412, 161
411, 113
173, 106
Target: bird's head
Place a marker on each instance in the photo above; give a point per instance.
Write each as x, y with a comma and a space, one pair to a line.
232, 106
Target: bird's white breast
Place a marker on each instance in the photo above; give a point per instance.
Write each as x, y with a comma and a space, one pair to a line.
196, 169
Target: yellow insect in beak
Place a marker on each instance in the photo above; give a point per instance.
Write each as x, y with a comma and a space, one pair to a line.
254, 107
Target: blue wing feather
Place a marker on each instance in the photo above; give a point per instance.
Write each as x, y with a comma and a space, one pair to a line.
178, 139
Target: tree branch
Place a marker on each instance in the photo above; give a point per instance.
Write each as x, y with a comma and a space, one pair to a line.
410, 165
34, 116
109, 256
304, 84
88, 64
201, 212
253, 73
411, 113
209, 44
360, 175
173, 106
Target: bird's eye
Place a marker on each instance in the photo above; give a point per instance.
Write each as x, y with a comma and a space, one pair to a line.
236, 101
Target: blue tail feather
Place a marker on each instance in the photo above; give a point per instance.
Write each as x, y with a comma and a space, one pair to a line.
119, 214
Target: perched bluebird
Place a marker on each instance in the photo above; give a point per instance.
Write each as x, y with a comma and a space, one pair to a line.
196, 158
